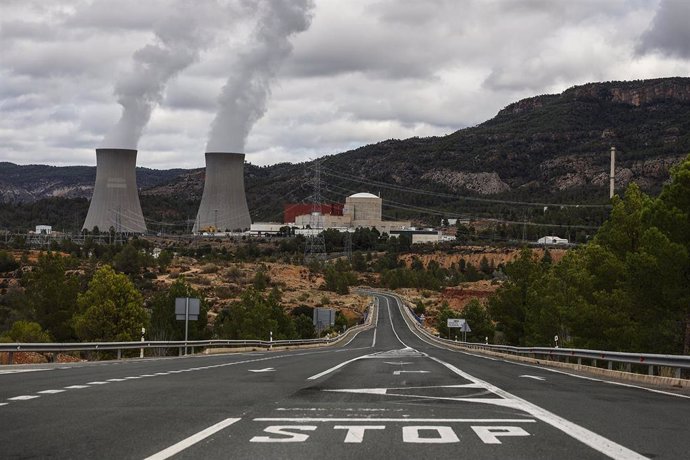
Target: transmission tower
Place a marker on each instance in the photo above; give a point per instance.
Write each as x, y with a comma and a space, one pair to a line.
315, 248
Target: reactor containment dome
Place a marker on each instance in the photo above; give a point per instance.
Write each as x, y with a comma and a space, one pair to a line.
115, 201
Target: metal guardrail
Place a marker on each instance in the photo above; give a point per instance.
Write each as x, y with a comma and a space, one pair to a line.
12, 348
148, 345
676, 362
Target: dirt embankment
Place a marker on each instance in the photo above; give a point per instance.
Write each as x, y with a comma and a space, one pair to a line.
474, 256
223, 283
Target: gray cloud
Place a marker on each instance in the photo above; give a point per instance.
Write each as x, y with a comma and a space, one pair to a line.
364, 70
670, 31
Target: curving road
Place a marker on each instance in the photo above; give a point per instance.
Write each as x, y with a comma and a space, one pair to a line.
387, 393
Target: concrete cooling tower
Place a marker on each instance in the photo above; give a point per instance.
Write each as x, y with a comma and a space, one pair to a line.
115, 200
223, 205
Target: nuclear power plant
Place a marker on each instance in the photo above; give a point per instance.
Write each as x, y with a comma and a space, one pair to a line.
115, 201
223, 204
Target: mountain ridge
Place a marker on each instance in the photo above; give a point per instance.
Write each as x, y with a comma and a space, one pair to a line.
545, 147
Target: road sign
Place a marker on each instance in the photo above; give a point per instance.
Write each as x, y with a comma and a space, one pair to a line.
459, 323
181, 306
455, 322
186, 309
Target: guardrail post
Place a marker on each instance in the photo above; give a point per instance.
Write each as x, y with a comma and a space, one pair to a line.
610, 365
181, 351
10, 357
579, 361
192, 350
651, 369
594, 363
677, 373
628, 367
119, 354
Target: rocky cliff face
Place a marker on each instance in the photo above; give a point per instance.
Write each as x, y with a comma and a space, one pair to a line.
633, 93
483, 183
637, 93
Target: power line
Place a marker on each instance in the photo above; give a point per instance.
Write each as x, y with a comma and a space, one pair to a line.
345, 176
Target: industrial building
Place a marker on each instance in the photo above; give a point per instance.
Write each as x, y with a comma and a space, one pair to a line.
360, 210
223, 204
292, 210
115, 201
423, 235
552, 240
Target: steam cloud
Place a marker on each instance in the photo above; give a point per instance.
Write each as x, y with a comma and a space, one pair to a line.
243, 98
179, 39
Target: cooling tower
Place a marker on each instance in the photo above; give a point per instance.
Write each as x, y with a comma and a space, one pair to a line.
223, 204
115, 200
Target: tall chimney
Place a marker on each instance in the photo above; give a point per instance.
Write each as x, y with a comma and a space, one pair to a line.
115, 201
612, 176
223, 203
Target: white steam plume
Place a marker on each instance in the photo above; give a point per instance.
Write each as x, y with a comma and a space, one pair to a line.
179, 38
243, 98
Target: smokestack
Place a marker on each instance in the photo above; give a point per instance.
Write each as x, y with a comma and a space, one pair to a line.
115, 200
612, 176
223, 203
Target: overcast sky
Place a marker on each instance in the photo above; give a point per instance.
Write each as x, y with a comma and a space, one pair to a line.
362, 72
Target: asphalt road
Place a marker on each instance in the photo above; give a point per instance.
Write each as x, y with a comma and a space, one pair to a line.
385, 394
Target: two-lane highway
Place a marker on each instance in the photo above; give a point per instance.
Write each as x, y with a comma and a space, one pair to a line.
387, 393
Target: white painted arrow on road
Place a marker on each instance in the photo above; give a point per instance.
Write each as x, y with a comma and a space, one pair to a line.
410, 372
268, 369
533, 377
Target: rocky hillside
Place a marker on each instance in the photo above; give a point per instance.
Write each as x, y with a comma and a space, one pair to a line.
551, 147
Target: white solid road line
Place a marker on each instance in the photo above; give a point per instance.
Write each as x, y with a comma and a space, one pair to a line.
593, 379
190, 441
589, 438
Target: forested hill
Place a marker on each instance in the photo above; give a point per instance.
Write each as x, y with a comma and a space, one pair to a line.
19, 183
546, 148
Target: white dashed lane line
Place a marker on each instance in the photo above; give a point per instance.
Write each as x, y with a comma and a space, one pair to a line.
89, 384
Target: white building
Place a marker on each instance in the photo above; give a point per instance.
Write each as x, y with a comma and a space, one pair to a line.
45, 229
551, 240
265, 228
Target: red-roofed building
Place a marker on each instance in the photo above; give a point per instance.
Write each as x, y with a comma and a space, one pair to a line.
292, 210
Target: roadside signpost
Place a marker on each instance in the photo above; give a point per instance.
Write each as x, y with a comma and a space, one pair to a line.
461, 324
186, 309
